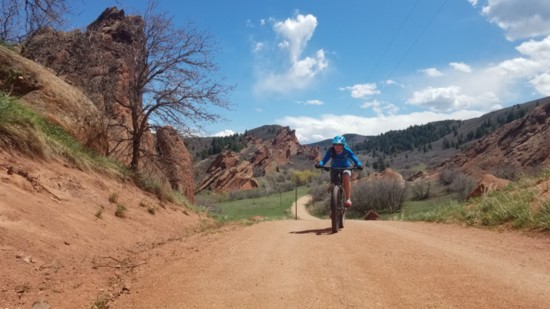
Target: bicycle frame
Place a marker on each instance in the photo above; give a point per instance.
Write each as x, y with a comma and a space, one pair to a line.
337, 197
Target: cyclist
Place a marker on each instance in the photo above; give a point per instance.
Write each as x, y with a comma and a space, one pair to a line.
341, 156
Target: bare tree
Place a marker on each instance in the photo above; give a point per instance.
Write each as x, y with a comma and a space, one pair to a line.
174, 84
19, 18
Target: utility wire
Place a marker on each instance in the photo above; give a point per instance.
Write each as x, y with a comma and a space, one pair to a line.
393, 39
389, 45
417, 39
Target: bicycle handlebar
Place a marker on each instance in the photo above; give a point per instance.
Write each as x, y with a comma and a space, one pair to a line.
328, 168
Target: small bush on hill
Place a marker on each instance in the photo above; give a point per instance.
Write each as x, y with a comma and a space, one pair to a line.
382, 196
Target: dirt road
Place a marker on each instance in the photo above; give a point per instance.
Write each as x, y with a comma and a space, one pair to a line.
369, 264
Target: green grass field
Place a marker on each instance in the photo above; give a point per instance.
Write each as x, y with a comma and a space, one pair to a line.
271, 207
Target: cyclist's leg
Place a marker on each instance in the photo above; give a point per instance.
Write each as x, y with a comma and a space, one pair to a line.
346, 183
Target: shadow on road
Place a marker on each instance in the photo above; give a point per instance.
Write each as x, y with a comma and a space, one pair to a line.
326, 231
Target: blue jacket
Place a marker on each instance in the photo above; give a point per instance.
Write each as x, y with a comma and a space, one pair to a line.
343, 159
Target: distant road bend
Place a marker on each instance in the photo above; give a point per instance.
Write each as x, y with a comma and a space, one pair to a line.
369, 264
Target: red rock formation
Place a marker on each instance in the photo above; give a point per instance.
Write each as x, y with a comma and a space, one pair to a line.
102, 63
176, 161
520, 144
488, 183
389, 175
229, 171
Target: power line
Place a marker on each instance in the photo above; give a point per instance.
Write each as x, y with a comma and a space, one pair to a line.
393, 39
417, 39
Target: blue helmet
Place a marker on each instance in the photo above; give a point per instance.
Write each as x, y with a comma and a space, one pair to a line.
339, 140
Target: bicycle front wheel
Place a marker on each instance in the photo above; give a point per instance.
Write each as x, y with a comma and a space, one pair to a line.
335, 214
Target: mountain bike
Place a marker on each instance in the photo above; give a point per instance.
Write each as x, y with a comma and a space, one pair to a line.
337, 198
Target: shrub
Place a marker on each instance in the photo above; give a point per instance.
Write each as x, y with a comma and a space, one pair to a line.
383, 196
420, 190
463, 185
120, 211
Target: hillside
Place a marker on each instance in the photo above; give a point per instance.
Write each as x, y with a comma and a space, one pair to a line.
424, 147
69, 237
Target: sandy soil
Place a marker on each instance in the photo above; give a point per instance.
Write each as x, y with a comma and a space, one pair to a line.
55, 253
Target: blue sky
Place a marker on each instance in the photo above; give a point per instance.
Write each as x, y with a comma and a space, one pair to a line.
326, 68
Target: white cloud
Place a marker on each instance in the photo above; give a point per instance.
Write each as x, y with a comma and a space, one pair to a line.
462, 67
300, 71
473, 2
226, 132
520, 18
297, 32
542, 83
538, 50
380, 108
361, 91
310, 130
451, 99
432, 72
314, 102
258, 47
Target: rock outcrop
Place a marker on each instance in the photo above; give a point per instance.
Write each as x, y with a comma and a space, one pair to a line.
231, 171
176, 162
103, 62
39, 88
521, 144
488, 183
389, 175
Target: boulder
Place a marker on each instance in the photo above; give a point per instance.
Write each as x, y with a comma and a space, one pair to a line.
488, 183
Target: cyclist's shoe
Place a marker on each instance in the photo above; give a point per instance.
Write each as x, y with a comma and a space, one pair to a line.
347, 204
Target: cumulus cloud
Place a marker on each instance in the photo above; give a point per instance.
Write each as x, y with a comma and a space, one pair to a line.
380, 108
519, 18
314, 102
450, 99
432, 72
462, 67
361, 91
542, 83
226, 132
487, 87
310, 130
300, 70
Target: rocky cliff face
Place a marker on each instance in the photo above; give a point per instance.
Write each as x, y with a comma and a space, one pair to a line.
521, 144
231, 171
102, 62
37, 87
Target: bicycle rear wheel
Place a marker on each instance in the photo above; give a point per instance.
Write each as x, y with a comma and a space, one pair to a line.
334, 201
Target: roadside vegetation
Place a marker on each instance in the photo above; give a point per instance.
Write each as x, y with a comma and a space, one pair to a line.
524, 204
273, 206
24, 131
518, 206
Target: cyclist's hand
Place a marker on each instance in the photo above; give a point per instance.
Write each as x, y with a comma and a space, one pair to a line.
360, 167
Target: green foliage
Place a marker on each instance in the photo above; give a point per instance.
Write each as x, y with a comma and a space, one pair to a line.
99, 213
414, 137
113, 198
162, 191
120, 211
303, 177
382, 196
24, 130
19, 129
235, 142
514, 206
271, 207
